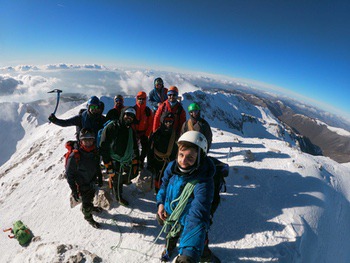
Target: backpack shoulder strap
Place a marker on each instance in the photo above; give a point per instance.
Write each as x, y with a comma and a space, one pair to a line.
190, 125
76, 155
166, 155
179, 109
148, 111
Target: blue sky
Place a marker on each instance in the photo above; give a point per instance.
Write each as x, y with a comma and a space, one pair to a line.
301, 46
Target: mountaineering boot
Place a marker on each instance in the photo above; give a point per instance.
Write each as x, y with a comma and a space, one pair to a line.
122, 201
208, 256
184, 259
168, 250
165, 257
97, 209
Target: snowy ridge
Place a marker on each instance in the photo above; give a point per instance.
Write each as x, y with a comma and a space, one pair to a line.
281, 205
335, 129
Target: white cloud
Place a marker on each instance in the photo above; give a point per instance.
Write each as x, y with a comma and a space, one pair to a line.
24, 88
8, 85
26, 68
57, 66
71, 66
135, 81
8, 112
26, 83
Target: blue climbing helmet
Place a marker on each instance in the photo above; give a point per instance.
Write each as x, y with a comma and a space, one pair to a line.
93, 101
158, 81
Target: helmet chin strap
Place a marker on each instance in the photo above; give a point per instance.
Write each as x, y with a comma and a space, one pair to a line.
187, 171
198, 156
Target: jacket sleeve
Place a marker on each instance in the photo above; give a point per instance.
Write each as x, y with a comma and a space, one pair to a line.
150, 124
198, 218
71, 171
136, 147
156, 121
99, 176
163, 188
151, 100
105, 143
208, 134
184, 128
74, 121
182, 118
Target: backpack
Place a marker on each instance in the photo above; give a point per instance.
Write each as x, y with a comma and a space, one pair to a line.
99, 133
20, 232
222, 171
72, 146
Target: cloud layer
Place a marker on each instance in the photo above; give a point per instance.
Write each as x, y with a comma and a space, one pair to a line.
26, 83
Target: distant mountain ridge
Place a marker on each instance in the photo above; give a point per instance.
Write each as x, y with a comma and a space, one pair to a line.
315, 138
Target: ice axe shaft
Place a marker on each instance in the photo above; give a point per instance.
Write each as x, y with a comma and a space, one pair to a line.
58, 91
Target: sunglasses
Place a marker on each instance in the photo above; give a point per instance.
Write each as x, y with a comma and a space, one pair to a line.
172, 95
118, 100
169, 121
194, 111
141, 98
130, 114
93, 107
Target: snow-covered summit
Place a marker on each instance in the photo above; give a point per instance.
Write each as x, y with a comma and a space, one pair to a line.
281, 205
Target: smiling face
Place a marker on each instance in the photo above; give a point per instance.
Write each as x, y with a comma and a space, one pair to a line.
87, 142
172, 97
141, 100
195, 114
93, 109
129, 118
186, 157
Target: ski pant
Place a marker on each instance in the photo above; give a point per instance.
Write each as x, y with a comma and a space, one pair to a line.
143, 141
87, 198
120, 178
171, 242
156, 167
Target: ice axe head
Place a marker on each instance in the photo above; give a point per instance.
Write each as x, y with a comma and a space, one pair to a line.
58, 91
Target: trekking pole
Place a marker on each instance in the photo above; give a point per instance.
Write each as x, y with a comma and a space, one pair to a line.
229, 153
58, 91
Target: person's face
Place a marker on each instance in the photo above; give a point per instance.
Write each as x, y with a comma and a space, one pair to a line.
141, 100
93, 109
87, 142
194, 113
186, 158
158, 85
129, 118
172, 97
118, 102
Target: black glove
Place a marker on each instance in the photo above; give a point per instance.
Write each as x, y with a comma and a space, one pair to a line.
100, 183
52, 118
75, 196
184, 259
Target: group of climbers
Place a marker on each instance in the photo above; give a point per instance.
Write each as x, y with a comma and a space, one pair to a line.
176, 151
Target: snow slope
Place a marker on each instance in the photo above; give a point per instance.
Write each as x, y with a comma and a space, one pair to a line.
281, 205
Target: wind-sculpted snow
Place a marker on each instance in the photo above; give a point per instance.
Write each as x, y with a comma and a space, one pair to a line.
281, 205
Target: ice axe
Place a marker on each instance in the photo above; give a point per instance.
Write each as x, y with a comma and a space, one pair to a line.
58, 91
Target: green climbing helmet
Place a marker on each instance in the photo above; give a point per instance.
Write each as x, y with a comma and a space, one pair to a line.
193, 106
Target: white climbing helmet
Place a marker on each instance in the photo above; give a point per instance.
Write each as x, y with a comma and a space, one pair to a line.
196, 138
130, 110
